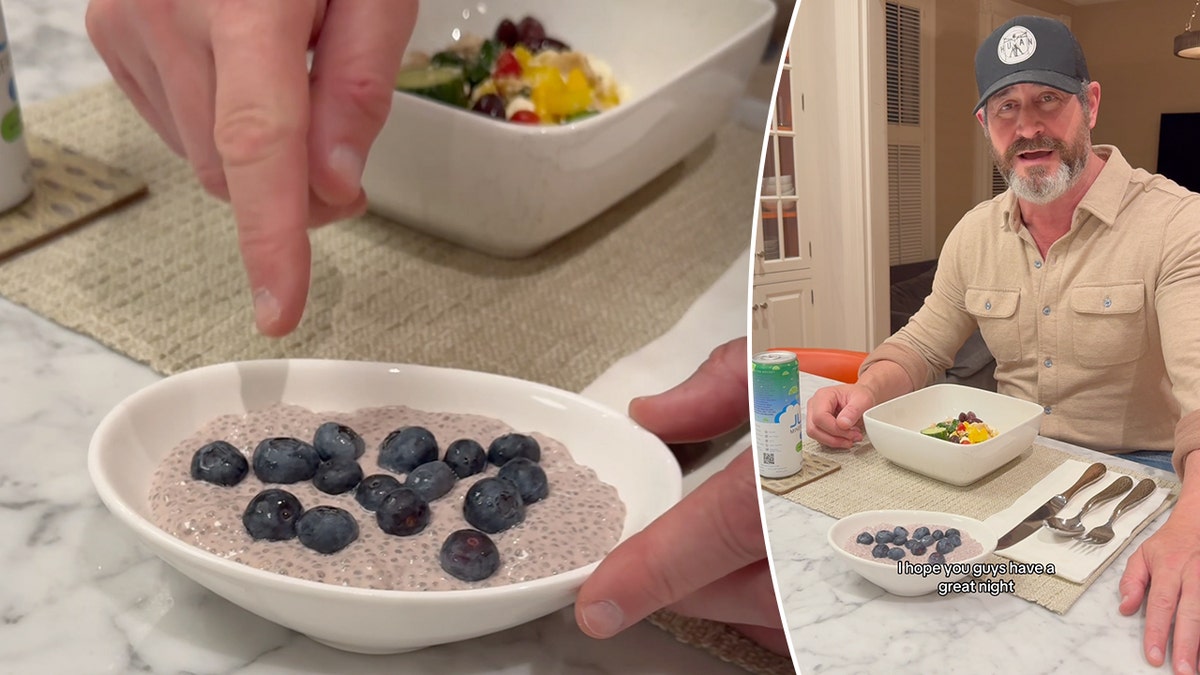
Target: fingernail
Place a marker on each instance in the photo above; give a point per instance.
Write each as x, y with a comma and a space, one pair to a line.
347, 163
1156, 655
603, 619
266, 308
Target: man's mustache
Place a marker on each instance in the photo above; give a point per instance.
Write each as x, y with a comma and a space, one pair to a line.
1032, 144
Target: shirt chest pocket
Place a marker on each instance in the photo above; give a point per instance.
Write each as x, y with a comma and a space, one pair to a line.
995, 310
1108, 324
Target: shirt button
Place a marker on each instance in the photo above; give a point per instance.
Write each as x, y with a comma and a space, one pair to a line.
987, 305
1107, 302
1046, 310
1047, 363
1037, 264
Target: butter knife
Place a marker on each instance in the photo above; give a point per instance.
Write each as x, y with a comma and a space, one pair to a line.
1034, 521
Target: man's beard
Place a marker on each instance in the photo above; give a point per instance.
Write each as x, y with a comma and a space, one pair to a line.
1041, 185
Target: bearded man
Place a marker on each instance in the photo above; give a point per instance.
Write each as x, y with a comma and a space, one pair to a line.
1084, 280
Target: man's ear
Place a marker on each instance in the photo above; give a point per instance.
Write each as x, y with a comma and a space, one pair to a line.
1094, 96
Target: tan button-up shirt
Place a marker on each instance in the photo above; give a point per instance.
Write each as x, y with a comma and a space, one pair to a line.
1104, 332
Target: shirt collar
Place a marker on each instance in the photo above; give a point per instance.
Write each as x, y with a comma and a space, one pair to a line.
1102, 200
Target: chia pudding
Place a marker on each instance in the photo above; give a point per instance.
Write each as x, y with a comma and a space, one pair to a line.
576, 524
887, 535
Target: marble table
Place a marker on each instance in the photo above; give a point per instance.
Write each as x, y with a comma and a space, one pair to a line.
78, 596
841, 623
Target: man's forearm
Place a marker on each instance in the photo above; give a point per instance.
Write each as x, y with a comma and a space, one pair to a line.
886, 380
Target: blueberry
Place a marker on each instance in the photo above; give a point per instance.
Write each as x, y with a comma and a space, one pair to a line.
952, 532
402, 512
865, 538
900, 532
272, 515
927, 540
371, 490
466, 456
219, 463
511, 446
407, 448
431, 480
338, 440
954, 539
529, 478
917, 549
896, 553
285, 460
936, 557
944, 545
493, 505
469, 555
326, 529
911, 543
883, 537
937, 534
338, 475
899, 539
880, 551
920, 532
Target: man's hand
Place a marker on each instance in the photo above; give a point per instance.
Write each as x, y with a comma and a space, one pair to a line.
226, 85
705, 557
1168, 562
834, 414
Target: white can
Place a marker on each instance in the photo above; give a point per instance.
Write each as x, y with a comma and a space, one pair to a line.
16, 170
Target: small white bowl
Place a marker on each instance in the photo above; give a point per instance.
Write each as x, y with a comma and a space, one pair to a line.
886, 573
510, 189
131, 440
894, 429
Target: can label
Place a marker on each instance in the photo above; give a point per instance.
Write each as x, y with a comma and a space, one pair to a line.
778, 424
16, 171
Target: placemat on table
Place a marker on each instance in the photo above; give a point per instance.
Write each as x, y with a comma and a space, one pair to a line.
161, 281
867, 481
69, 189
814, 467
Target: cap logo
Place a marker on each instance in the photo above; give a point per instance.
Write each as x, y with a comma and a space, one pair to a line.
1016, 45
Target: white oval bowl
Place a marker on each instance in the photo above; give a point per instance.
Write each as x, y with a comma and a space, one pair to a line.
132, 439
885, 573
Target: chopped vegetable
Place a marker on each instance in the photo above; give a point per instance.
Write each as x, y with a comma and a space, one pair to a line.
966, 429
531, 77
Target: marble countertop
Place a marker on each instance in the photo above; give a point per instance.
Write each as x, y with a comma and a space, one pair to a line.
841, 623
77, 595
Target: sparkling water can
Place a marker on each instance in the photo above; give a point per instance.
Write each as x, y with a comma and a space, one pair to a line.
16, 170
778, 425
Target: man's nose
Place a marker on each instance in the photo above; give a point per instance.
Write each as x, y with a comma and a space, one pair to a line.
1029, 122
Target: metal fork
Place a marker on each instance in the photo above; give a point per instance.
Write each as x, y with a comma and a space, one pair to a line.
1104, 533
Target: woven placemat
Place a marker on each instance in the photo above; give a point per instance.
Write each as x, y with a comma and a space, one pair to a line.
867, 482
69, 189
161, 281
815, 466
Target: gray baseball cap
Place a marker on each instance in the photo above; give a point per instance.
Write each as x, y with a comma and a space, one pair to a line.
1030, 49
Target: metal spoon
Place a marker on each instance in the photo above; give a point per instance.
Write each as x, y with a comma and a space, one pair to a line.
1074, 526
1104, 533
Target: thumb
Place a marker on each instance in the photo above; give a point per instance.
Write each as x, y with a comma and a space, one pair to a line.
355, 60
711, 402
856, 403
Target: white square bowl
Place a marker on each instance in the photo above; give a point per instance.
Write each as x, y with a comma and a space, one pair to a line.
894, 429
510, 189
134, 437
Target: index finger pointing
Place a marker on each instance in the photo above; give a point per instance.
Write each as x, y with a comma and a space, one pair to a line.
713, 531
261, 124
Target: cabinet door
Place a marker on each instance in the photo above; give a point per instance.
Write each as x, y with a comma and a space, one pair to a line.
782, 315
782, 231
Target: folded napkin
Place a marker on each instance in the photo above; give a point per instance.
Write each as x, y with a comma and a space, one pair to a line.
1073, 561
